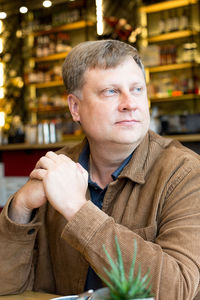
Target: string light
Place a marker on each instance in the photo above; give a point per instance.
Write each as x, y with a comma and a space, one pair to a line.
2, 119
23, 9
47, 3
1, 74
3, 15
1, 40
1, 45
99, 14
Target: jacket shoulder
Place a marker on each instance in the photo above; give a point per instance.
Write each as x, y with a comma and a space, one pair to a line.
172, 146
73, 151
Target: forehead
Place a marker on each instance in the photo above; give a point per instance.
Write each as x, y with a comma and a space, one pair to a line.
125, 70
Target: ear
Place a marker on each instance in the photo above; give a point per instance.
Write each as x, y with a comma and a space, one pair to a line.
74, 103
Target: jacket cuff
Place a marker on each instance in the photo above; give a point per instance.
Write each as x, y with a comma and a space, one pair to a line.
14, 231
84, 225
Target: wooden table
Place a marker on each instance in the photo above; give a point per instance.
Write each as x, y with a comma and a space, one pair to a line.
28, 295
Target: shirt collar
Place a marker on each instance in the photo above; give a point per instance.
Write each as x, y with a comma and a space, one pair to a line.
84, 161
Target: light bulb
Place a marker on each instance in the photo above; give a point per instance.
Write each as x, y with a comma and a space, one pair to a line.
99, 15
3, 15
47, 3
23, 9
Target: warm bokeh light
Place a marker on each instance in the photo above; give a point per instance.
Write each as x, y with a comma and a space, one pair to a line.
3, 15
1, 26
47, 3
1, 93
2, 118
99, 14
1, 74
1, 45
23, 9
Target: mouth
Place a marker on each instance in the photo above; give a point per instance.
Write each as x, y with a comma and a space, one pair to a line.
127, 122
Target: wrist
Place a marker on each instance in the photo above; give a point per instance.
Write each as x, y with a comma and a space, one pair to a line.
70, 213
19, 213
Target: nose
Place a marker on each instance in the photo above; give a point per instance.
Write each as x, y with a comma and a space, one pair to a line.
127, 102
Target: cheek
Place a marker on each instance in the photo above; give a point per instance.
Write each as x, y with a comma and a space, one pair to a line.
90, 114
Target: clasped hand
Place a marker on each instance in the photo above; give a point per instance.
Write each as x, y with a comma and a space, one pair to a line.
65, 182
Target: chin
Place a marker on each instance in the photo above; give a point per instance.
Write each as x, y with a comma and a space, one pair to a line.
127, 141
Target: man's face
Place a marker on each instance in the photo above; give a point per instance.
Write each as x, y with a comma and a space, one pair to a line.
113, 107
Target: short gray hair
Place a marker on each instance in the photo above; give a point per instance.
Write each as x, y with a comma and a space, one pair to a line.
91, 54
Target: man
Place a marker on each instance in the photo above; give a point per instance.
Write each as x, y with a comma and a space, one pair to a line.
140, 186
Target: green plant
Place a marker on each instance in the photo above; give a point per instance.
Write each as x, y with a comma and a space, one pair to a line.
121, 288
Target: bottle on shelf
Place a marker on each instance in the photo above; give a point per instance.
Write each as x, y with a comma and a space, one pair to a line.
31, 133
183, 20
174, 21
49, 131
16, 132
162, 24
169, 22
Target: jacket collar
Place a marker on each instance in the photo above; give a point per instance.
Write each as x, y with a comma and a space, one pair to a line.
134, 170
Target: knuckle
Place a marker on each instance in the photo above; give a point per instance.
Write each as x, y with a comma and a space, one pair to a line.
63, 156
42, 159
49, 153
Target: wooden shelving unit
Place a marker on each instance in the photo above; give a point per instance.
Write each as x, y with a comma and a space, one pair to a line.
172, 36
166, 5
47, 84
185, 137
52, 89
70, 140
51, 57
172, 67
175, 98
149, 17
67, 27
48, 108
57, 56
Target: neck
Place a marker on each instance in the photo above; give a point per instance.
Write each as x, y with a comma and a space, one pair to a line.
105, 160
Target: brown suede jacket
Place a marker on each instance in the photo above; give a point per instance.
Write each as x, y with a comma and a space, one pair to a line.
155, 200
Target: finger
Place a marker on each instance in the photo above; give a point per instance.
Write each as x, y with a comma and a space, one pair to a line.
80, 167
66, 159
83, 172
52, 155
38, 174
45, 163
58, 157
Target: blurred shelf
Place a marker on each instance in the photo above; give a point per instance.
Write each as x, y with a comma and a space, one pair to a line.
48, 108
66, 27
166, 5
47, 84
172, 67
185, 137
72, 140
69, 140
172, 35
55, 56
175, 98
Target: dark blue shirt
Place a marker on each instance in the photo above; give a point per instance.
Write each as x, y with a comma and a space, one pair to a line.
97, 196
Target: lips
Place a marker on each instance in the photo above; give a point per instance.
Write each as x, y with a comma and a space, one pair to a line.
127, 122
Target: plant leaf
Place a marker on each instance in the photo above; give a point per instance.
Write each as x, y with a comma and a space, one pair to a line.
122, 288
132, 268
112, 264
120, 261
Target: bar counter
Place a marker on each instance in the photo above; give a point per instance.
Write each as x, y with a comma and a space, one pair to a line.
73, 140
27, 146
20, 159
28, 295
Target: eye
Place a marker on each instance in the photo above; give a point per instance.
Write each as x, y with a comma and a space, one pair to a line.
137, 89
109, 92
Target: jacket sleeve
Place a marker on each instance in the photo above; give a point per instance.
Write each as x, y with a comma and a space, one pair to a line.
16, 253
173, 257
